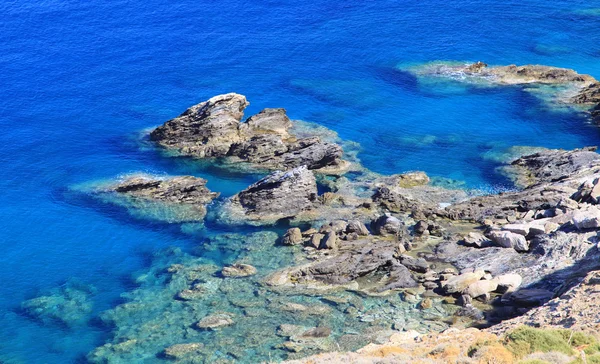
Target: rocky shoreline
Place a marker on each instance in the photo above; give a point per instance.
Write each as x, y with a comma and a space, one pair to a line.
490, 257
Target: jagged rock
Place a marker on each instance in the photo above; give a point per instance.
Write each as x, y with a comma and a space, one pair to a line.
394, 201
507, 239
411, 179
315, 240
292, 237
521, 229
277, 196
421, 227
589, 95
213, 128
215, 321
238, 271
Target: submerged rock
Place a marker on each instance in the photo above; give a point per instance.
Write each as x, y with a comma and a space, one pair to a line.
70, 306
238, 270
216, 321
214, 128
183, 351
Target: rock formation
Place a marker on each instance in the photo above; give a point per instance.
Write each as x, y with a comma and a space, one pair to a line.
214, 129
279, 195
174, 199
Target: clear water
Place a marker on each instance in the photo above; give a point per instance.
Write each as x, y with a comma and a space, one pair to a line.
80, 81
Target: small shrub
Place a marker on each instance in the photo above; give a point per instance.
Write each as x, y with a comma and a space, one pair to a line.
538, 340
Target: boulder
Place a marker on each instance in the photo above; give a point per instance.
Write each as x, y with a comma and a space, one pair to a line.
355, 226
418, 265
279, 195
587, 219
460, 283
508, 282
481, 288
476, 240
329, 241
292, 237
531, 297
507, 239
387, 225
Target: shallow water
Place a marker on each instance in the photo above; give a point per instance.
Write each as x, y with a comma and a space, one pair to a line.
81, 81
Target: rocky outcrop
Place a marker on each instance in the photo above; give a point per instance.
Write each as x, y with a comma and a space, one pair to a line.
279, 195
583, 90
180, 190
214, 129
576, 309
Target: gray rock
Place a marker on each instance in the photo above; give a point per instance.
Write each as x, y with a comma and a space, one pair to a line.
531, 297
419, 265
387, 225
477, 240
214, 128
238, 270
292, 237
355, 226
329, 241
460, 283
587, 219
279, 195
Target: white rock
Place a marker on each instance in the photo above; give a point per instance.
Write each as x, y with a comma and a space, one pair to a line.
481, 288
521, 229
508, 282
586, 219
507, 239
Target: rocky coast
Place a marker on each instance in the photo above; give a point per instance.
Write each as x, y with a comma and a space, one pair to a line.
358, 257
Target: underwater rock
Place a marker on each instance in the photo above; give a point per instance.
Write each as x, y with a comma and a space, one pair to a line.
70, 305
215, 321
214, 128
238, 270
277, 196
183, 351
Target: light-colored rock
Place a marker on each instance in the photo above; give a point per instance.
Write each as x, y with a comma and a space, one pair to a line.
476, 239
460, 283
587, 219
292, 237
521, 229
216, 321
481, 288
507, 239
238, 270
508, 282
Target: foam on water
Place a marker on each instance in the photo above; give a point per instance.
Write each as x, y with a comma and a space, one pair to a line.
81, 80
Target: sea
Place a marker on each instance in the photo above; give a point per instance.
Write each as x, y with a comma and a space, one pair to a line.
81, 83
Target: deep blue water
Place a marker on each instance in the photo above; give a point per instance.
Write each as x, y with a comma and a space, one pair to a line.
80, 80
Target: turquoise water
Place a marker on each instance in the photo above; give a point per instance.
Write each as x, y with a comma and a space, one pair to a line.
81, 80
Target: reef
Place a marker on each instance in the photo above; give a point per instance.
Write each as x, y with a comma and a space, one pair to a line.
69, 305
214, 129
573, 88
